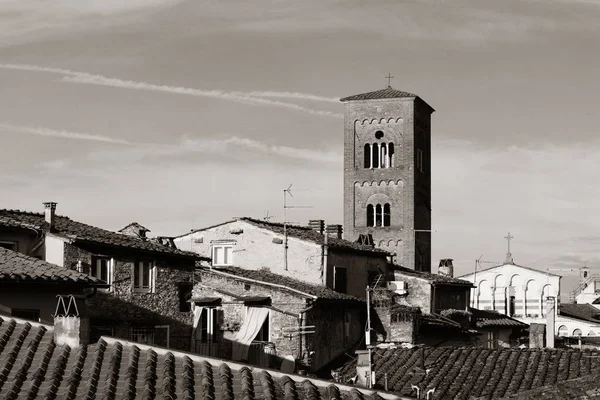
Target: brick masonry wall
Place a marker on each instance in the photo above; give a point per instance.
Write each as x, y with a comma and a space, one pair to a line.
121, 308
395, 118
330, 338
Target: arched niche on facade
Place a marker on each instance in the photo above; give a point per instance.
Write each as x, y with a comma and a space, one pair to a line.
577, 332
563, 330
499, 281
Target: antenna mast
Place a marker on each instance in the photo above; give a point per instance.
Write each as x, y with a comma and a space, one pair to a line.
287, 192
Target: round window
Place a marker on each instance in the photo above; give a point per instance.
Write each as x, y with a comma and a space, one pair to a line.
378, 135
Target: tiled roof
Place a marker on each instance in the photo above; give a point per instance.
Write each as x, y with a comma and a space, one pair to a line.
78, 231
318, 291
17, 267
485, 318
309, 234
438, 320
587, 387
464, 373
387, 93
32, 366
586, 312
433, 278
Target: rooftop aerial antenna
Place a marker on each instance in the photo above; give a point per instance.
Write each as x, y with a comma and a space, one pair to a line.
267, 217
287, 192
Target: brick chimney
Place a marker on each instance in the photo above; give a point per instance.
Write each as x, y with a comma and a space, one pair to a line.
537, 333
71, 322
550, 321
49, 214
317, 225
446, 268
334, 231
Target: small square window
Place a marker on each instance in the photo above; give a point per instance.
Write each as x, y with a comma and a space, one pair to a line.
102, 268
144, 276
9, 245
222, 254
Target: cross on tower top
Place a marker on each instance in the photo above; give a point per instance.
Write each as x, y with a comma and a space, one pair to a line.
389, 78
509, 259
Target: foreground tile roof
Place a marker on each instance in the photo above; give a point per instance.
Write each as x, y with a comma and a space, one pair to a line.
17, 267
433, 278
82, 232
486, 318
309, 234
387, 93
318, 291
33, 366
464, 373
586, 312
587, 387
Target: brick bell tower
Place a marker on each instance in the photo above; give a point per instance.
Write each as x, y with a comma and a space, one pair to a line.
387, 173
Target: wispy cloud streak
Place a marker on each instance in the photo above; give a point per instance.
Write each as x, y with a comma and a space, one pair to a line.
61, 134
251, 98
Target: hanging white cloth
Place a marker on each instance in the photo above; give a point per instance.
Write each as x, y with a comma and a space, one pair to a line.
255, 319
196, 333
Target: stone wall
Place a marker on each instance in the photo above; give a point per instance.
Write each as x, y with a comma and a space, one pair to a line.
121, 308
336, 327
419, 291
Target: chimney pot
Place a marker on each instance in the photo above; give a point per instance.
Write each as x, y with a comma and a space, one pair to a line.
334, 231
317, 225
49, 213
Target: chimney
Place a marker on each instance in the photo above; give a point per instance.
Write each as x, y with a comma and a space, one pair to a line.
334, 231
550, 321
71, 322
49, 214
537, 333
317, 225
446, 268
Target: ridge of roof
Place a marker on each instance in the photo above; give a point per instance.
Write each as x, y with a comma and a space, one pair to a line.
18, 267
433, 278
114, 368
78, 231
485, 318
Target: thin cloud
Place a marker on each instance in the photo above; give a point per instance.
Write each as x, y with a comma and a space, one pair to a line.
61, 134
252, 98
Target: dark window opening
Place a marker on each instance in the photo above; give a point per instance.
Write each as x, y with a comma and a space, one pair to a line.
378, 215
9, 245
367, 155
378, 135
263, 334
370, 215
375, 153
185, 295
386, 214
340, 280
26, 313
391, 154
511, 306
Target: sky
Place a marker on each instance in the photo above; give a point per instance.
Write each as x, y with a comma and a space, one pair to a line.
182, 114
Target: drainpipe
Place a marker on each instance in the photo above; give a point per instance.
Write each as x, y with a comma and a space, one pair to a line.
324, 258
302, 325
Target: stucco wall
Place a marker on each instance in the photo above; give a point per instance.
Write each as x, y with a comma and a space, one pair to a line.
25, 241
54, 250
587, 328
36, 297
419, 292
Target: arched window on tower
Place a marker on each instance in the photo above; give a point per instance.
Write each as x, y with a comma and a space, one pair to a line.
387, 217
383, 156
375, 158
378, 215
368, 155
391, 155
370, 216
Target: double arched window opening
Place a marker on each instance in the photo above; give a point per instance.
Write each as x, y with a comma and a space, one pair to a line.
379, 155
379, 215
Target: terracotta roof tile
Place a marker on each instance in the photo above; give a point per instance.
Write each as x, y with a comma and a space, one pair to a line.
78, 231
32, 366
321, 292
433, 278
387, 93
16, 266
484, 318
309, 234
585, 312
463, 373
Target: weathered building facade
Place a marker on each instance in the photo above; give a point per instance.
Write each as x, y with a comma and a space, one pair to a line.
148, 284
263, 318
387, 173
313, 255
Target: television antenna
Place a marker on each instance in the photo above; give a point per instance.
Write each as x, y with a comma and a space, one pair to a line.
267, 216
287, 192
